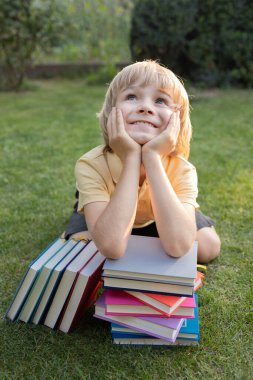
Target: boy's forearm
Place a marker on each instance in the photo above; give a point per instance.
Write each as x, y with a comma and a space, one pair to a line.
114, 225
175, 226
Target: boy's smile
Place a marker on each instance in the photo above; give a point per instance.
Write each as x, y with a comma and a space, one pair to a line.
146, 111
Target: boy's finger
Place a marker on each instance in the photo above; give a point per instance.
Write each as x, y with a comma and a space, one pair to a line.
113, 122
120, 121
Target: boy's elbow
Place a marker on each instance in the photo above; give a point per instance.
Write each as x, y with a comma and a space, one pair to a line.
111, 251
178, 249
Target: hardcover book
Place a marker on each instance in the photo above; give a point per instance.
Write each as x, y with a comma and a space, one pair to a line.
189, 330
168, 304
121, 303
53, 282
163, 328
66, 283
146, 260
80, 296
147, 286
41, 281
30, 276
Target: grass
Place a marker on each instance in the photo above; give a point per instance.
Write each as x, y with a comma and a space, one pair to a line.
43, 131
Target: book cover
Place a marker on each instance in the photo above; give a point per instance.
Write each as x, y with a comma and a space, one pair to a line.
66, 283
53, 282
121, 303
30, 276
164, 328
147, 286
41, 281
188, 331
154, 342
82, 293
145, 259
168, 304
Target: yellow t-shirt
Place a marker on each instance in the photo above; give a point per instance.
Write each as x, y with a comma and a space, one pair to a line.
97, 173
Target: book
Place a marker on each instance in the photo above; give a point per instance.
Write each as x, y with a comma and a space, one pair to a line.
53, 282
190, 327
121, 303
81, 295
30, 276
146, 260
168, 304
164, 328
41, 281
66, 283
154, 342
147, 286
188, 331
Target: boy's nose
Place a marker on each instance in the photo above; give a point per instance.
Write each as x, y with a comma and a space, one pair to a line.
145, 109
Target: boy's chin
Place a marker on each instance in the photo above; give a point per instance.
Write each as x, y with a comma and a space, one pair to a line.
141, 139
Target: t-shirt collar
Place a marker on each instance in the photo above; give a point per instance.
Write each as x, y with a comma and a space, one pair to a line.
115, 165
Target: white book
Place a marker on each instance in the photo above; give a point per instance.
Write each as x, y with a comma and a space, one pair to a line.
66, 283
146, 260
30, 276
53, 282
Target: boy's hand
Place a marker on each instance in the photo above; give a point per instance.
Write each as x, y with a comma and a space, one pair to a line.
119, 140
164, 143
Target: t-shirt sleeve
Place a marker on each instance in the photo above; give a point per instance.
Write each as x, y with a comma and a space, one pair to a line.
90, 184
185, 183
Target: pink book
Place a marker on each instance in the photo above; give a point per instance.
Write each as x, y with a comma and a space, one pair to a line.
164, 328
119, 302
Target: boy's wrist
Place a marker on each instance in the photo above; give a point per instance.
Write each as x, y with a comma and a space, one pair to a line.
132, 158
147, 154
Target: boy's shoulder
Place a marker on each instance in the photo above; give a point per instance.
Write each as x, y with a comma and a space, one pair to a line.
93, 154
181, 162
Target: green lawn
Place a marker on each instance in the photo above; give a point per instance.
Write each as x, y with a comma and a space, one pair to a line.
43, 131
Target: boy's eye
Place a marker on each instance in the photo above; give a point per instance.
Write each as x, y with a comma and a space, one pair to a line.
131, 97
160, 101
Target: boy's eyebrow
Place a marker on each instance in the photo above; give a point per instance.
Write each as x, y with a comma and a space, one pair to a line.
164, 92
129, 88
133, 87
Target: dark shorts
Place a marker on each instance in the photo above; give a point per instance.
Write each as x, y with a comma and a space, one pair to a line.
77, 223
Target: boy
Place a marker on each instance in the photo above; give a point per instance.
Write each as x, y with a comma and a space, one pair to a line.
140, 181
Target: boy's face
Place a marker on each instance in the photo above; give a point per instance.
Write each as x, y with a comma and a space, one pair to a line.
146, 111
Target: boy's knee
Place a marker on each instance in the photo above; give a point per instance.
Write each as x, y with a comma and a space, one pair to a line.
209, 244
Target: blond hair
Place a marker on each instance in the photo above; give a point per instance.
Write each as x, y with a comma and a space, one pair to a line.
146, 73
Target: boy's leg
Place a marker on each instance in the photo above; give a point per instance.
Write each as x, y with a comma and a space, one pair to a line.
76, 227
208, 241
208, 244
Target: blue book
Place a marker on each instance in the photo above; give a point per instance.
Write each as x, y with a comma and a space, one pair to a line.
40, 284
29, 277
68, 280
53, 282
190, 327
188, 331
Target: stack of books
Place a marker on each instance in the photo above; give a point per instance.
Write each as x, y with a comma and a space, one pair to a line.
149, 297
59, 285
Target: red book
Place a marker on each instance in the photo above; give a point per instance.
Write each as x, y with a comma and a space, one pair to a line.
167, 304
82, 294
